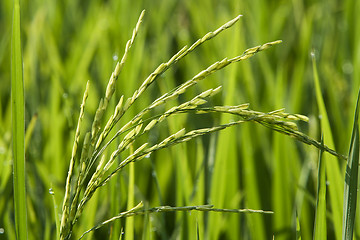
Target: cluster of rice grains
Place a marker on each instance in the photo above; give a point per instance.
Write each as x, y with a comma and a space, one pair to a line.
78, 194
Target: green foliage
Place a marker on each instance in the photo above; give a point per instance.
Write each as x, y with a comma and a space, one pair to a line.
65, 44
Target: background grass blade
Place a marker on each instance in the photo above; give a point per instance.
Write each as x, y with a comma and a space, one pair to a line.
223, 191
298, 228
18, 126
129, 225
351, 179
333, 173
320, 215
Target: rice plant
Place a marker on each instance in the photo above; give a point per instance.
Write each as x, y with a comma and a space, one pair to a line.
81, 186
120, 171
78, 194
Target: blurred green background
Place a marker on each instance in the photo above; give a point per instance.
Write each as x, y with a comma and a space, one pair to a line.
66, 43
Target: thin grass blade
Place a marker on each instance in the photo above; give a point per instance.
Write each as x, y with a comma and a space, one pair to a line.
320, 215
197, 231
18, 126
351, 178
298, 229
30, 130
129, 224
333, 174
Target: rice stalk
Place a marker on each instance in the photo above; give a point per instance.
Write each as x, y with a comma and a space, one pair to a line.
158, 71
94, 143
64, 227
183, 87
137, 211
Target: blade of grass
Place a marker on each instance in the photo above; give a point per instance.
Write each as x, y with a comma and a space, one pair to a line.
160, 197
251, 182
351, 178
197, 231
226, 160
18, 126
57, 220
282, 188
320, 215
30, 130
285, 172
198, 194
146, 233
298, 229
129, 225
333, 173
